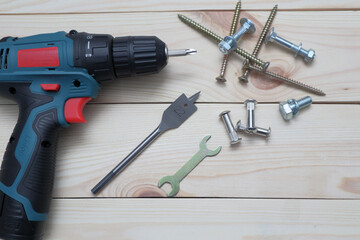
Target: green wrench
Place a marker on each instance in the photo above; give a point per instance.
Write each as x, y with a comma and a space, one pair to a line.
175, 180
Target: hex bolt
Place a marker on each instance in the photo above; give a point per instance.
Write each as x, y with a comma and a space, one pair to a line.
308, 55
229, 43
250, 106
291, 107
230, 127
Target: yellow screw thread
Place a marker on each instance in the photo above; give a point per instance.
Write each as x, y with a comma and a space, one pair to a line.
235, 18
218, 39
234, 24
261, 40
265, 31
287, 80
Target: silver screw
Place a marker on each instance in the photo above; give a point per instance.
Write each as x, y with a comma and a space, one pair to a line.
230, 127
308, 55
291, 107
250, 105
229, 43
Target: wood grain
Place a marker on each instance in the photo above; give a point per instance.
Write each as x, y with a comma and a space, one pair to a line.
213, 219
315, 155
81, 6
335, 69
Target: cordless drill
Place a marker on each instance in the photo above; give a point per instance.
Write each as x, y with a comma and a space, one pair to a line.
52, 77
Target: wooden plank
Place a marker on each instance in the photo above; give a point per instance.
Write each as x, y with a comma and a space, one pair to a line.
211, 219
315, 155
67, 6
335, 69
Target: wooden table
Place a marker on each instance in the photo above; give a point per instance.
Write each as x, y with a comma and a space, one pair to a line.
303, 183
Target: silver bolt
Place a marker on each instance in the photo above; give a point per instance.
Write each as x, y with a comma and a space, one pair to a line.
230, 127
259, 131
308, 55
291, 107
263, 132
229, 43
250, 105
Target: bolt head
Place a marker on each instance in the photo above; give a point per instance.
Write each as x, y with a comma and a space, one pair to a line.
248, 24
227, 45
234, 138
271, 36
286, 111
250, 101
224, 113
310, 56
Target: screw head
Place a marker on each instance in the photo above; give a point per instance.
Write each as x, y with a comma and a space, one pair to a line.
310, 56
272, 35
221, 79
248, 24
244, 78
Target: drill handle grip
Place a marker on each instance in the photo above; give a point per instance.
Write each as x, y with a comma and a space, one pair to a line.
27, 171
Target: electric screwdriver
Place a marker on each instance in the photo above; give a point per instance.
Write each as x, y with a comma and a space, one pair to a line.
52, 77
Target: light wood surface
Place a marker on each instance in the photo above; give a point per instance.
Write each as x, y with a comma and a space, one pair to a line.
81, 6
335, 70
301, 183
213, 219
148, 219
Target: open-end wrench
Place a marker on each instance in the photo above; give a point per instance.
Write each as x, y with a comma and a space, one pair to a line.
175, 180
175, 115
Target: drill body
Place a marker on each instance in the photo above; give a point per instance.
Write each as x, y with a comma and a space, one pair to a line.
51, 77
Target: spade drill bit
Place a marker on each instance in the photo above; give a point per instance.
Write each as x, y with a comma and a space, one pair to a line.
176, 114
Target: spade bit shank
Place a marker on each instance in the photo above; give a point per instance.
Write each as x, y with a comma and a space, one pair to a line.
173, 117
175, 180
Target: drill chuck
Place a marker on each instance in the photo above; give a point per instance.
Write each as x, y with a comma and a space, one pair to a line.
107, 58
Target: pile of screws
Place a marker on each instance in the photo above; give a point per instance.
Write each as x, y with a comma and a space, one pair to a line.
230, 44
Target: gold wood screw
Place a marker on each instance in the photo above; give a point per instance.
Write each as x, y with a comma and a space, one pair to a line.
260, 42
235, 21
218, 39
284, 79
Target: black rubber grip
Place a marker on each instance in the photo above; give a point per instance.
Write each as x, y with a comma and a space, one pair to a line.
14, 222
37, 180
